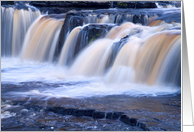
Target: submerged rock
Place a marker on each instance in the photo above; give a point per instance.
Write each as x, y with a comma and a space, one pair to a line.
90, 33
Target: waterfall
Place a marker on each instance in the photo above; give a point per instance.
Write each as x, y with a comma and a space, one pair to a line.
41, 39
123, 67
144, 58
90, 45
152, 55
21, 22
15, 23
6, 30
68, 48
92, 60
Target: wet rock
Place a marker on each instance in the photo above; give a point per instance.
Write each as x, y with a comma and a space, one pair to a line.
65, 6
79, 18
69, 111
141, 125
98, 115
90, 33
115, 50
22, 5
123, 4
155, 129
116, 115
18, 5
59, 110
127, 120
24, 111
89, 112
133, 4
71, 21
109, 115
7, 2
79, 112
152, 114
75, 4
144, 4
139, 19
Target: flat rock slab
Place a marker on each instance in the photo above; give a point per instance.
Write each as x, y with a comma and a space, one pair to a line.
33, 111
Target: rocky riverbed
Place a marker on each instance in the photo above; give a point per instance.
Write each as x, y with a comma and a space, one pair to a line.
112, 113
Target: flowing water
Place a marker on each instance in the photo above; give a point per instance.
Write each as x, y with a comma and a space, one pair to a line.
15, 23
119, 56
148, 63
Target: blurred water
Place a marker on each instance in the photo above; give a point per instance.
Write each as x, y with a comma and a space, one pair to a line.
15, 71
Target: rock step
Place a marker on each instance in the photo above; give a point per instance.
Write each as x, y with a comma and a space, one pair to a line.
98, 115
86, 112
65, 6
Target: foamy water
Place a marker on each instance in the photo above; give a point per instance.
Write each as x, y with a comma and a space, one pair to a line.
15, 71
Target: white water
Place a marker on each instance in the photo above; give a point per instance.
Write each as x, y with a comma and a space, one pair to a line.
41, 39
15, 24
14, 71
140, 68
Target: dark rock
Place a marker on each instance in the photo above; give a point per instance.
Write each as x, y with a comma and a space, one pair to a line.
58, 110
89, 112
98, 115
34, 108
77, 4
7, 2
18, 5
21, 2
54, 10
115, 50
116, 115
109, 115
133, 4
127, 120
144, 4
69, 111
72, 20
155, 129
141, 125
123, 4
79, 112
90, 33
86, 112
139, 19
113, 115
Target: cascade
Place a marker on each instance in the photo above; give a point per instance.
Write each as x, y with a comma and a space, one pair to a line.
15, 23
41, 39
116, 47
69, 46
